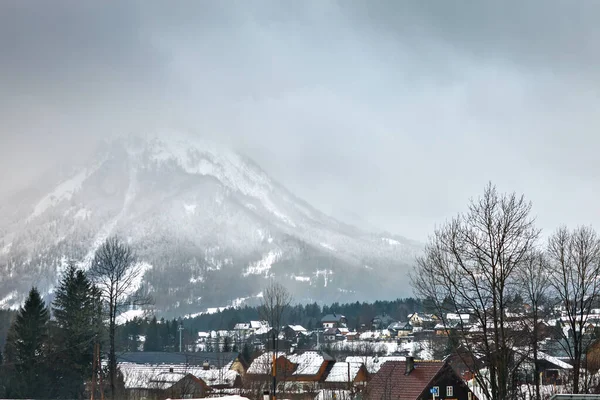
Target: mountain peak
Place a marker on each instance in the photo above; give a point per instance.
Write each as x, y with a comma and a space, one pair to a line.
207, 222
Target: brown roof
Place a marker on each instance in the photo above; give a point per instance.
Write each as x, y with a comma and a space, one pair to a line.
391, 382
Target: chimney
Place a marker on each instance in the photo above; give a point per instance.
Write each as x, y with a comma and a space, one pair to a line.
410, 365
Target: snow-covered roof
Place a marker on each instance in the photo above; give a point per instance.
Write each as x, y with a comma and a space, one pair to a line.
339, 372
297, 328
373, 363
258, 324
554, 360
262, 364
163, 376
460, 317
241, 326
307, 363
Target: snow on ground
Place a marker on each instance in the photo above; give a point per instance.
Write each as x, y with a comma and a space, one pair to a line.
328, 246
391, 242
142, 267
325, 273
128, 316
196, 280
63, 191
263, 266
83, 213
6, 302
301, 278
200, 157
190, 208
6, 248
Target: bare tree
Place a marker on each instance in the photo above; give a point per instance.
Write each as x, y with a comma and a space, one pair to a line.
275, 303
115, 272
534, 280
575, 261
470, 264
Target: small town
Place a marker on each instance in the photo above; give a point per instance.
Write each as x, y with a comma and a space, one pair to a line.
299, 200
335, 362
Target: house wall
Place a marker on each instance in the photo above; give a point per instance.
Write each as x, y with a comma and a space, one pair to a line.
188, 387
461, 391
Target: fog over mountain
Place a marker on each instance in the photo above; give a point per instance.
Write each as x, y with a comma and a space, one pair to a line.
380, 114
209, 226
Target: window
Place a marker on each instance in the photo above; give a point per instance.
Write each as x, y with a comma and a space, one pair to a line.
449, 391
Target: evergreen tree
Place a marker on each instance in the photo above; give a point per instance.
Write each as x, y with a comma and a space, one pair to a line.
246, 353
26, 350
226, 344
152, 342
77, 320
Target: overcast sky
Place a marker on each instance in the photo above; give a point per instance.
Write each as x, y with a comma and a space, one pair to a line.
394, 111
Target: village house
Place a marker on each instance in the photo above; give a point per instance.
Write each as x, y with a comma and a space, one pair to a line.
333, 335
400, 329
422, 320
333, 321
299, 373
155, 375
294, 332
381, 321
417, 380
347, 375
373, 363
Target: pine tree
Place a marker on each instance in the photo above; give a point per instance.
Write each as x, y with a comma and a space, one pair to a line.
226, 344
75, 310
152, 342
26, 349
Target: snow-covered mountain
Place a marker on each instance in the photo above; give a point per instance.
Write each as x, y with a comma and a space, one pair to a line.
209, 225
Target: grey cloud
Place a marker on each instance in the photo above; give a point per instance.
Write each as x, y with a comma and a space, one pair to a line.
396, 111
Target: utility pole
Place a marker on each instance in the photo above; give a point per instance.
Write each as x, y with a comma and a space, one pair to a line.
180, 329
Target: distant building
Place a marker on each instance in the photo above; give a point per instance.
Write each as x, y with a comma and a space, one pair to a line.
414, 380
333, 321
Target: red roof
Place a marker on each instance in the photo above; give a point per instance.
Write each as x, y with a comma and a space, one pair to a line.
391, 381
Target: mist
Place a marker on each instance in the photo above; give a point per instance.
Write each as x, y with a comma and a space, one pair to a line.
389, 113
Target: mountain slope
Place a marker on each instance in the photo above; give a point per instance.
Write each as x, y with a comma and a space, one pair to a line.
209, 225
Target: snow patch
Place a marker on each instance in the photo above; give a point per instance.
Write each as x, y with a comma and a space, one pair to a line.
128, 316
325, 274
6, 248
199, 157
391, 242
63, 191
196, 280
108, 228
6, 302
328, 246
263, 266
190, 208
136, 283
301, 278
83, 214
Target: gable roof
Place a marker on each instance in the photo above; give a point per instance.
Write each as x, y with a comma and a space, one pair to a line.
332, 318
163, 376
392, 382
306, 363
339, 372
373, 363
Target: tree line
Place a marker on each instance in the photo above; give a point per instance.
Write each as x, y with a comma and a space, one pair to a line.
52, 350
491, 261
